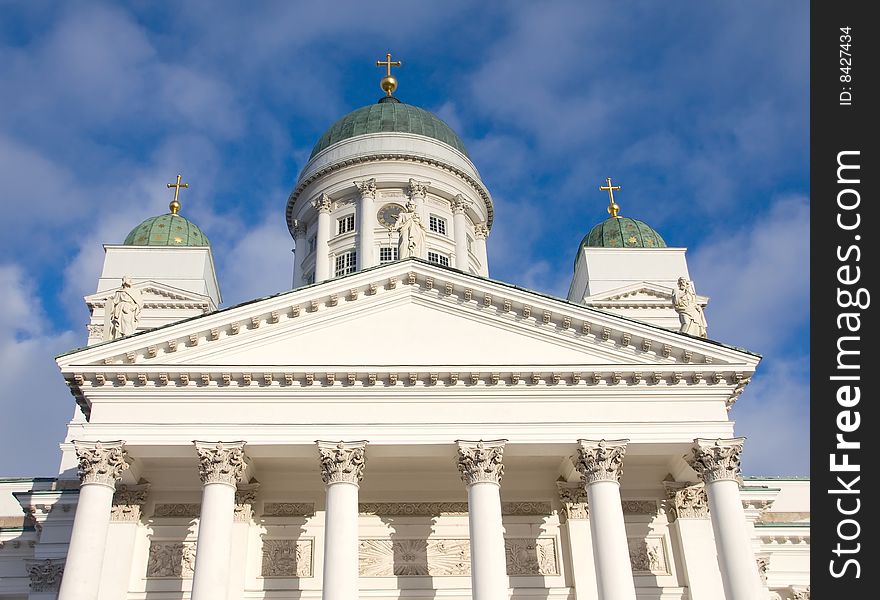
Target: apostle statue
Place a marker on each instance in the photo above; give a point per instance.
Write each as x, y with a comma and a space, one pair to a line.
412, 232
122, 311
690, 313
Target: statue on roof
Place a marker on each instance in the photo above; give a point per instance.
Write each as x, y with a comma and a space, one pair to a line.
412, 232
122, 311
690, 313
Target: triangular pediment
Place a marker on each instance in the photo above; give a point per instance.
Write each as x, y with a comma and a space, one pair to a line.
155, 295
637, 294
407, 313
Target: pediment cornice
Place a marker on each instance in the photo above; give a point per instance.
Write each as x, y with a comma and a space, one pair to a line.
622, 341
156, 295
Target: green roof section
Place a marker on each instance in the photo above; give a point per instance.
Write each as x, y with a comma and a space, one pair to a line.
623, 232
167, 230
389, 115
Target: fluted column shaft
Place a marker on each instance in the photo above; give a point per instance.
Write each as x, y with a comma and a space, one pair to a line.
600, 463
718, 463
221, 466
342, 468
100, 467
459, 230
366, 224
322, 248
481, 467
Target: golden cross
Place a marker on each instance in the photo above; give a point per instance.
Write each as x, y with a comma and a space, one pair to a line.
388, 63
175, 205
613, 207
388, 83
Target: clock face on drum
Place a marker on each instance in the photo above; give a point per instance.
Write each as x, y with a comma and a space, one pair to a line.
387, 215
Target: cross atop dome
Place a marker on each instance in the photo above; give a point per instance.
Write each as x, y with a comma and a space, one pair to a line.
613, 207
388, 83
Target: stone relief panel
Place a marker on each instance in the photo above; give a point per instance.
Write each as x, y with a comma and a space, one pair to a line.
287, 558
434, 509
531, 556
647, 556
444, 557
171, 559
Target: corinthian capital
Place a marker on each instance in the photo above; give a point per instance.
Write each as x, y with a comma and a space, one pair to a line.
45, 574
481, 461
481, 231
687, 500
573, 496
418, 189
367, 188
221, 462
601, 460
101, 462
459, 203
717, 460
128, 502
323, 203
342, 462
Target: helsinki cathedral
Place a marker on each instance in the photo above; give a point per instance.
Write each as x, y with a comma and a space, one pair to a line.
399, 425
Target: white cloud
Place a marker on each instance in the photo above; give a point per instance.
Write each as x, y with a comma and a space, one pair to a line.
774, 414
757, 277
35, 404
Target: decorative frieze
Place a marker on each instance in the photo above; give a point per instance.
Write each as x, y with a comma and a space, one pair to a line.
481, 461
101, 463
639, 507
287, 558
45, 575
288, 509
176, 560
435, 509
647, 556
342, 462
573, 496
221, 462
128, 502
450, 557
181, 510
717, 460
687, 500
601, 460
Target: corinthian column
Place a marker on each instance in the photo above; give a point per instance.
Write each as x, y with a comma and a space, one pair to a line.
300, 250
717, 462
342, 468
100, 467
459, 230
481, 467
600, 464
366, 223
322, 251
481, 232
221, 466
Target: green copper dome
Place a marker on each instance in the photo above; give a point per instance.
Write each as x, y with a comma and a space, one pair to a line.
166, 230
623, 232
389, 114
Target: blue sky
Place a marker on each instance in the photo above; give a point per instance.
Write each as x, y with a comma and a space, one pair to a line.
699, 110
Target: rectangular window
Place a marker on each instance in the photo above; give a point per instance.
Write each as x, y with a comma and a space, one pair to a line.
310, 278
387, 254
436, 257
470, 243
313, 243
345, 224
437, 224
346, 263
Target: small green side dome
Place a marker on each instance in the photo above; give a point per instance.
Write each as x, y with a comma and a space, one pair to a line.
166, 230
623, 232
389, 114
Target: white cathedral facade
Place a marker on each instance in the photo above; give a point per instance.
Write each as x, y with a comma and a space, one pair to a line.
399, 426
